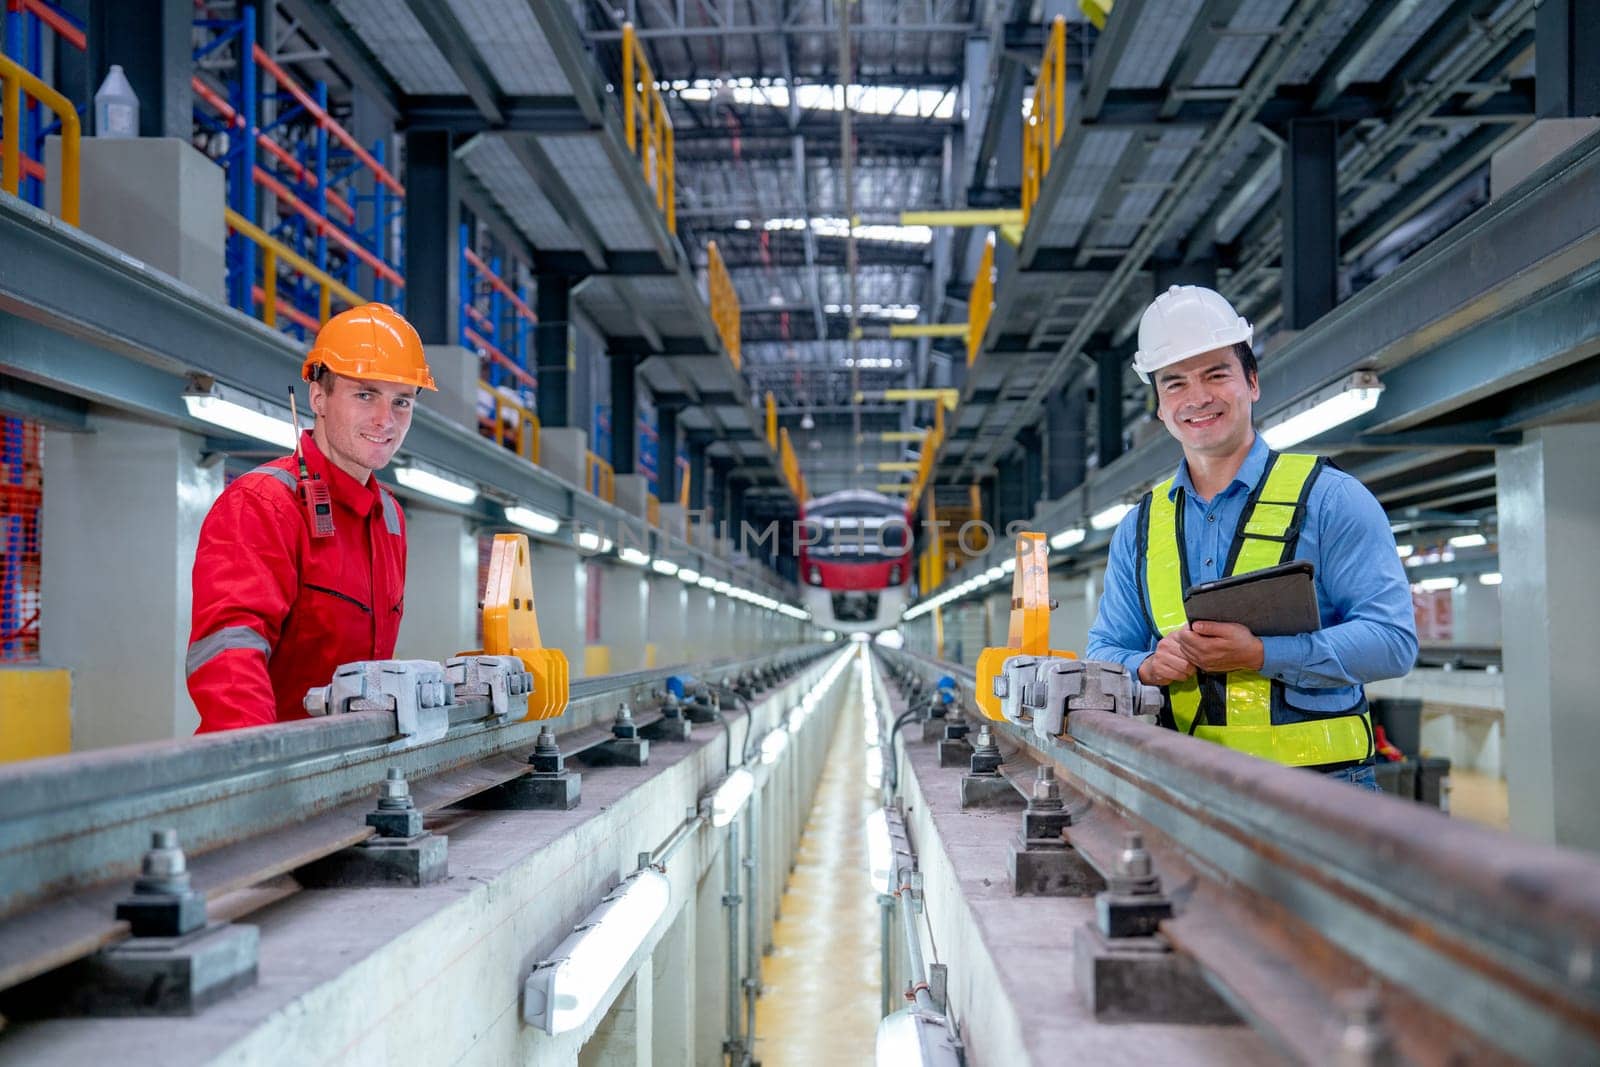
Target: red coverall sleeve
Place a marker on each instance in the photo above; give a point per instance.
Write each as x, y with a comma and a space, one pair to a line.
246, 577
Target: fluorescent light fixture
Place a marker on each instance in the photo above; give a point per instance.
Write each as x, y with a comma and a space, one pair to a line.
773, 744
590, 541
1109, 517
914, 1038
688, 575
1347, 399
664, 566
1489, 578
721, 586
880, 853
633, 556
1067, 538
1436, 584
1405, 550
1009, 565
241, 413
797, 717
436, 484
728, 800
1471, 540
566, 990
532, 519
705, 582
993, 574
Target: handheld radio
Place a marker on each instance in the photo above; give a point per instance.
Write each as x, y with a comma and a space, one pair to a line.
313, 492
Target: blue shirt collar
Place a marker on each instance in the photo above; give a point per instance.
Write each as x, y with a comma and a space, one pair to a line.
1250, 471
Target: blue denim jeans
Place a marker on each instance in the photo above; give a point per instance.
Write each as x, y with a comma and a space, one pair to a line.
1361, 776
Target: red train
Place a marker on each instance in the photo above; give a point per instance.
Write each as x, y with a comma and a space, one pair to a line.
855, 560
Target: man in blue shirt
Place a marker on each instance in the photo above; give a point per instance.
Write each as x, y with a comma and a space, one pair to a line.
1296, 700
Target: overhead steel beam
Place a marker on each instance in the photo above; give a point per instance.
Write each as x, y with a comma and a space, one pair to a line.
442, 27
518, 114
769, 30
1109, 47
321, 22
547, 176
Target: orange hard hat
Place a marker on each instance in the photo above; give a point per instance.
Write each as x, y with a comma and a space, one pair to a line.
373, 341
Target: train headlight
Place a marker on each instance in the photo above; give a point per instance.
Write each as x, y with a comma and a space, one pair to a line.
894, 574
814, 577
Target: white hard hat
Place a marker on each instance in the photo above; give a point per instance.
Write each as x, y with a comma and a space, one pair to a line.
1185, 321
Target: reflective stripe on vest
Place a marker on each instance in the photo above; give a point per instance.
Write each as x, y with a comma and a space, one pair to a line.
1235, 710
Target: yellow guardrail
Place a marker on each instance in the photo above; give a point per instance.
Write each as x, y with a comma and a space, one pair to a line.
772, 421
273, 251
14, 79
1048, 116
649, 127
523, 424
600, 479
789, 463
724, 302
980, 303
652, 510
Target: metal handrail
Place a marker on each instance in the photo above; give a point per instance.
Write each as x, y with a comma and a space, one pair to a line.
981, 304
600, 478
1047, 118
14, 78
526, 441
649, 126
724, 301
273, 250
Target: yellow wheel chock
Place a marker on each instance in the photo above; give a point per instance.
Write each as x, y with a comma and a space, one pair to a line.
511, 627
1029, 632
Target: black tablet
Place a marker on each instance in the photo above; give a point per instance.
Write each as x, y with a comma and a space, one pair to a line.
1273, 602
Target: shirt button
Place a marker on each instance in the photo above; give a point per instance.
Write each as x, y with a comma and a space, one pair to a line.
1211, 518
1208, 562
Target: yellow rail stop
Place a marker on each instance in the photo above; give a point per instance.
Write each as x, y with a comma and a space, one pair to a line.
511, 627
1029, 631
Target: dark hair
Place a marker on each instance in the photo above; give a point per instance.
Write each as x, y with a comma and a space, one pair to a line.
1247, 363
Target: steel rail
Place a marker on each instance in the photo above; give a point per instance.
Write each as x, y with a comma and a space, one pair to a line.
251, 804
1498, 935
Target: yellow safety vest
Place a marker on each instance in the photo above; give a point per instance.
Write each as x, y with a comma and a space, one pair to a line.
1244, 710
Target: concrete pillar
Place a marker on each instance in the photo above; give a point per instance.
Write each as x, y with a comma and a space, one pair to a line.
442, 591
710, 957
699, 629
668, 615
1549, 508
560, 588
1108, 391
1066, 440
1475, 612
624, 602
1566, 72
623, 1038
552, 346
673, 1005
118, 607
624, 412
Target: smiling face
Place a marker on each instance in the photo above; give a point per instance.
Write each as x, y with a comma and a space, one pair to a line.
1205, 402
360, 424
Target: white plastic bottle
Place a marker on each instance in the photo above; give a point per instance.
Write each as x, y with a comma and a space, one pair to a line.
116, 108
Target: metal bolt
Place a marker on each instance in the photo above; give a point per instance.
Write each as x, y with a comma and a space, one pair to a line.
394, 794
624, 713
1133, 861
1046, 791
985, 738
163, 869
545, 743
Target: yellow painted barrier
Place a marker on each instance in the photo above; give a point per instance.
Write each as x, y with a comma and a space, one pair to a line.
14, 79
908, 330
596, 660
35, 712
649, 126
525, 434
1047, 118
724, 302
600, 479
273, 251
980, 302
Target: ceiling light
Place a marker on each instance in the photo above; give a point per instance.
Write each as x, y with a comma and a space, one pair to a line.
730, 796
532, 519
436, 484
705, 582
1008, 565
807, 422
721, 586
993, 574
688, 575
1471, 540
880, 852
241, 413
664, 566
590, 541
1489, 578
1322, 411
1067, 538
773, 744
1108, 518
633, 556
566, 990
1405, 550
1436, 584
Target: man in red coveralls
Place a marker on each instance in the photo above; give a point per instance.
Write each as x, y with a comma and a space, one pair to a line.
278, 603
